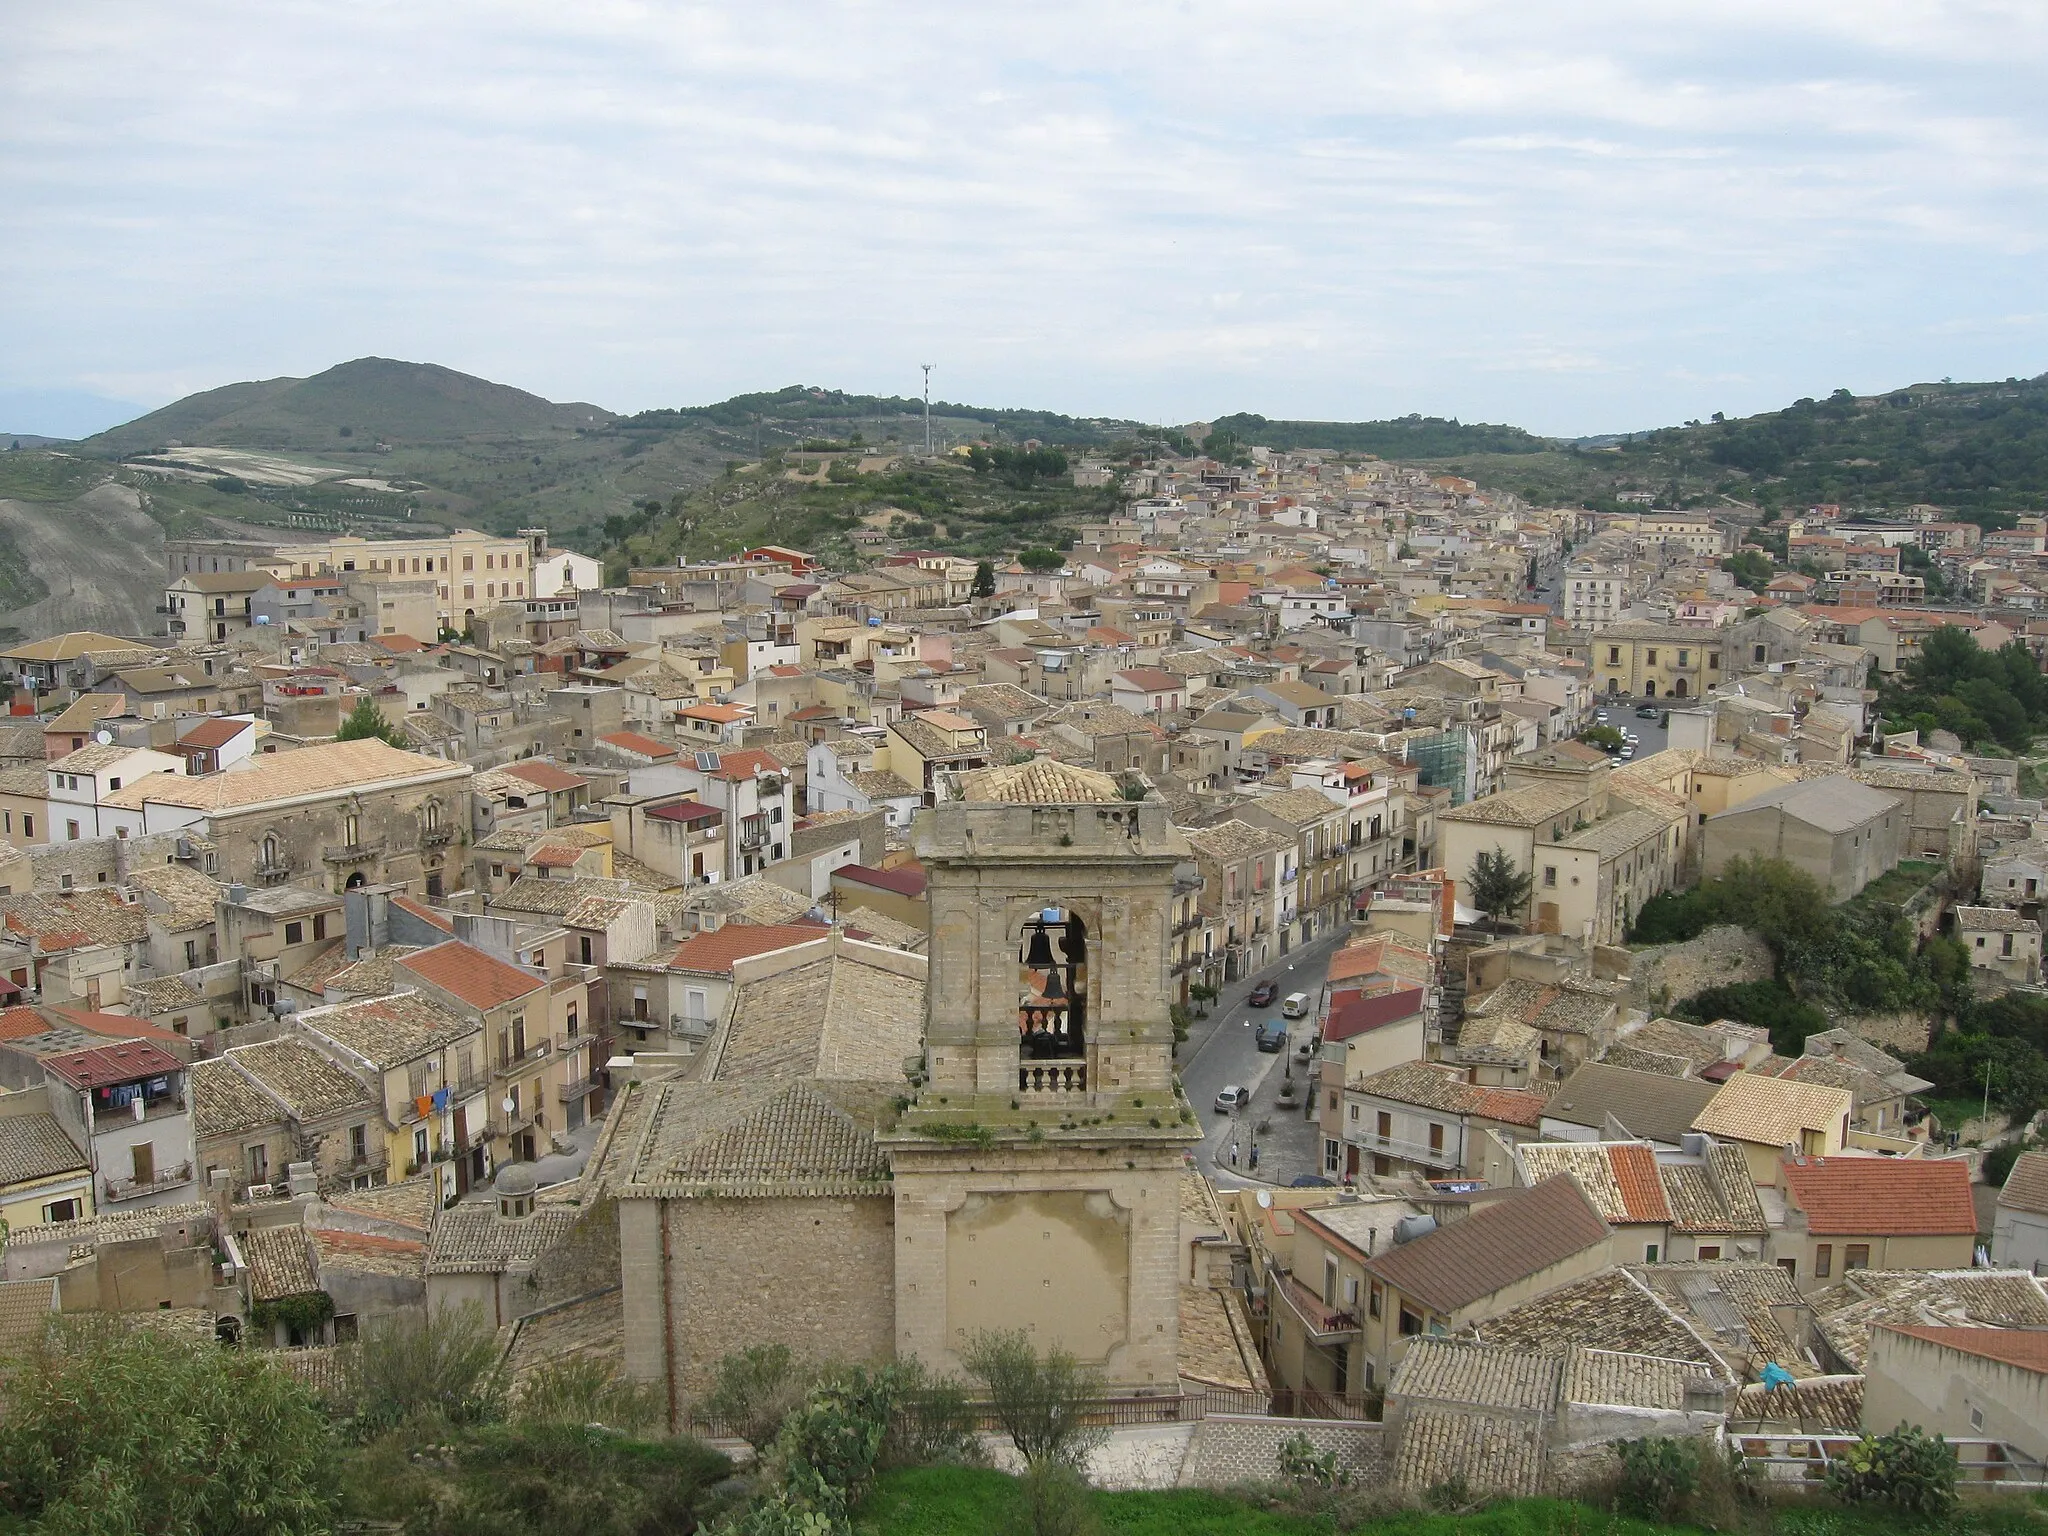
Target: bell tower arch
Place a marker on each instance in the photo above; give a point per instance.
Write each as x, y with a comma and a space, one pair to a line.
1037, 1171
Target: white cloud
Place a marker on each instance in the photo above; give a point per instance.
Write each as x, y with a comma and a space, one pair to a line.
1580, 215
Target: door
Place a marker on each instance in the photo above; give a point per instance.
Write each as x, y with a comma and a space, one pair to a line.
461, 1136
143, 1157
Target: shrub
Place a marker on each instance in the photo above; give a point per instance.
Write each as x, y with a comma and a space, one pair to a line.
542, 1479
584, 1391
1909, 1469
113, 1427
1052, 1500
1305, 1466
441, 1364
931, 1422
754, 1391
1658, 1477
1039, 1401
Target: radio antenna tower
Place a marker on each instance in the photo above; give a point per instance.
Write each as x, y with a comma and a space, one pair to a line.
927, 367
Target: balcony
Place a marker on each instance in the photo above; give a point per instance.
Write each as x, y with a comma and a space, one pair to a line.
510, 1123
272, 874
1187, 925
1408, 1151
1186, 963
436, 837
581, 1088
353, 853
753, 832
1048, 1078
135, 1189
535, 1051
161, 1107
1324, 1324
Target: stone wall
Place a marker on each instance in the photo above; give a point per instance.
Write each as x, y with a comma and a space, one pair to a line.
1671, 973
815, 1274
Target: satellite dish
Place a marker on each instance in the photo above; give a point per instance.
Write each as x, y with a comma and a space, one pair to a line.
104, 738
1266, 1199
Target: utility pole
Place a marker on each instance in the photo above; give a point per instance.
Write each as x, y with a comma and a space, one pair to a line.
927, 367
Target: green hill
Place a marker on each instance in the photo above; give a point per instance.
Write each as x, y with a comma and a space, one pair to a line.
1409, 437
371, 400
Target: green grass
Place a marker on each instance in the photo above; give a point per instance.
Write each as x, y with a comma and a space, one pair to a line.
1895, 885
970, 1501
31, 475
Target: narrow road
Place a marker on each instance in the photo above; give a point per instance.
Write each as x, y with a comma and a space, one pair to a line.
1223, 1049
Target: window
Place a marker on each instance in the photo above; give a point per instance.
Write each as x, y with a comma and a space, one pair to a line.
1614, 655
319, 925
1372, 1301
352, 830
1649, 1253
61, 1210
1386, 1126
1684, 658
583, 947
1550, 874
1650, 657
1411, 1325
1436, 1138
71, 830
1756, 654
1856, 1256
259, 1164
1823, 1260
359, 1143
1333, 1105
1329, 1280
419, 1147
28, 825
295, 933
270, 850
1710, 1250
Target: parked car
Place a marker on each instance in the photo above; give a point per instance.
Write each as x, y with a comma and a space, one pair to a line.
1295, 1006
1272, 1036
1311, 1181
1263, 994
1232, 1098
1647, 712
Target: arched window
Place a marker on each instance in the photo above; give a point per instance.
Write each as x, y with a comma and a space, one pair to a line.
433, 815
270, 860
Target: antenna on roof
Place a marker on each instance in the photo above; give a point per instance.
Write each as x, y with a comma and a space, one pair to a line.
707, 762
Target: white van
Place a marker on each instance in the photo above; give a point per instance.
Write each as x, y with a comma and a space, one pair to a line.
1294, 1005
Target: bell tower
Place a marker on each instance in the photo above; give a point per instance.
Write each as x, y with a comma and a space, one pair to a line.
1037, 1171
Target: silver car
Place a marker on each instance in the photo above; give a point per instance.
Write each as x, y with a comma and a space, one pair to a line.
1232, 1098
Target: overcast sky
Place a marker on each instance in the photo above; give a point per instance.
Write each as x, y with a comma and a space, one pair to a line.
1574, 215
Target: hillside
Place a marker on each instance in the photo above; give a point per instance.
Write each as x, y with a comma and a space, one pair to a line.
373, 398
1410, 437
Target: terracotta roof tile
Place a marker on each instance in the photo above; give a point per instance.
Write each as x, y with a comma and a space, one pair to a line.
720, 948
1508, 1240
464, 971
1887, 1196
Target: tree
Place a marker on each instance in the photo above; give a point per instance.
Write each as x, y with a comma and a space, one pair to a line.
984, 579
1039, 559
1499, 889
441, 1364
367, 720
115, 1428
1040, 1401
754, 1390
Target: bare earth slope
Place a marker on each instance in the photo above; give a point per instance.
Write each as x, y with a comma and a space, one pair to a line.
100, 556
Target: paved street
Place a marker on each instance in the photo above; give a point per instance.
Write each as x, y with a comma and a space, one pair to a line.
1222, 1049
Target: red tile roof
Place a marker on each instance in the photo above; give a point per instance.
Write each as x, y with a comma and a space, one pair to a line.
747, 764
2026, 1348
402, 645
99, 1065
904, 879
1353, 1013
1882, 1196
209, 734
1510, 1106
633, 741
716, 951
1641, 1185
22, 1024
424, 913
555, 856
545, 775
463, 971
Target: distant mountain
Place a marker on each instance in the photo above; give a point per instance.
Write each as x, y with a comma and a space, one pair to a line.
825, 411
373, 399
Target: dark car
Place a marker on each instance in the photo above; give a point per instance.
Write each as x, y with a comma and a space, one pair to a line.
1311, 1181
1263, 994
